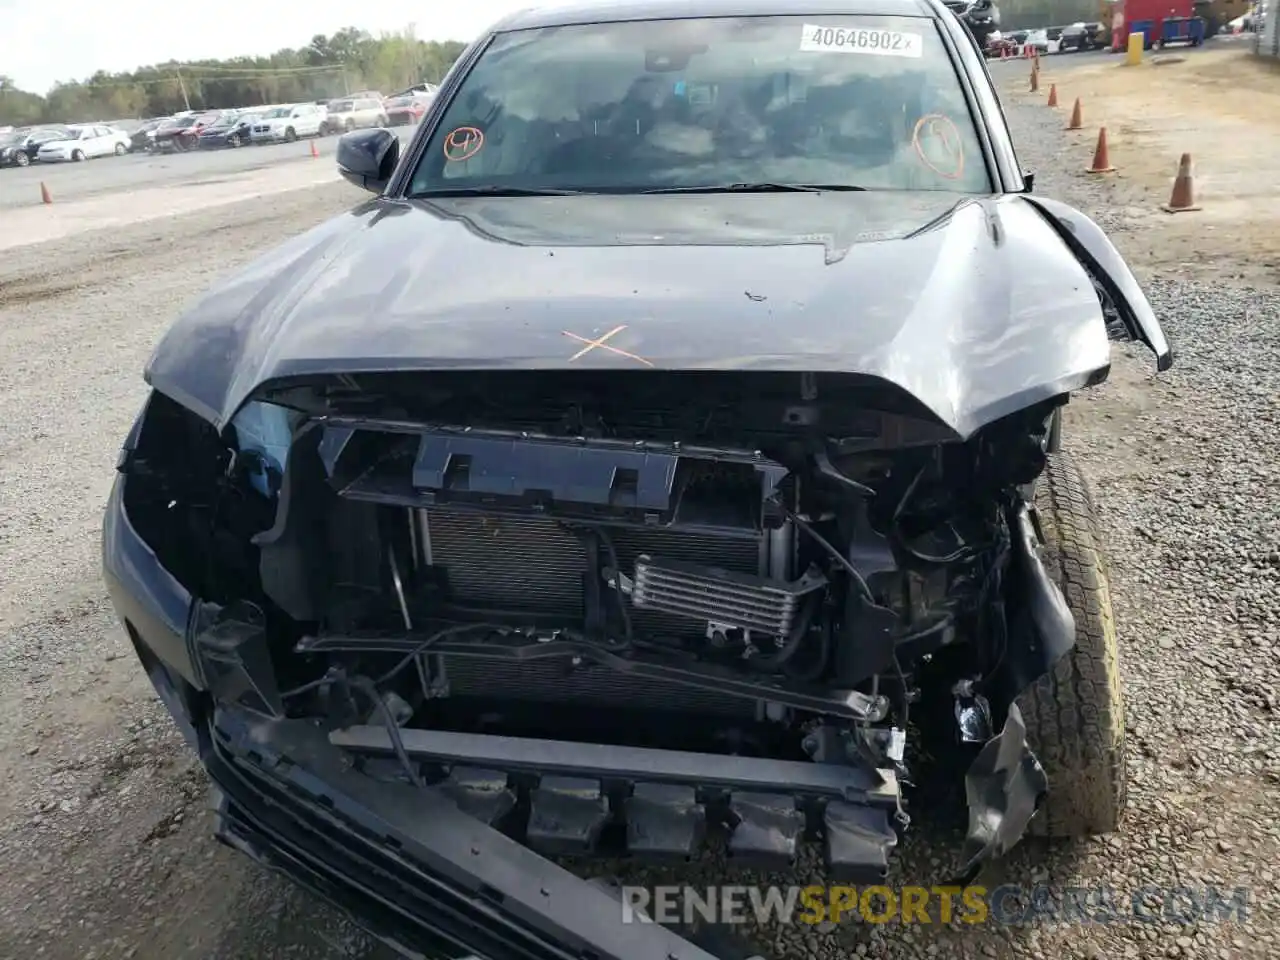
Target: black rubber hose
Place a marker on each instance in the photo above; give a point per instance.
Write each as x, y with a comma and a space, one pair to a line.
430, 641
367, 686
812, 672
835, 555
628, 637
795, 638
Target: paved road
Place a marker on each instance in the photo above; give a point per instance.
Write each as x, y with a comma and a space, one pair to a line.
75, 181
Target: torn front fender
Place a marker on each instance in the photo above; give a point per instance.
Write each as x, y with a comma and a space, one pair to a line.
1006, 783
1003, 789
1099, 256
1040, 628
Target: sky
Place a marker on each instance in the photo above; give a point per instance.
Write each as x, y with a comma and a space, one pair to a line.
46, 41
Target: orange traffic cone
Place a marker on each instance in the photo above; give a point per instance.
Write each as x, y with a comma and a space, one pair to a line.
1035, 79
1101, 158
1077, 120
1183, 197
314, 151
1053, 94
45, 196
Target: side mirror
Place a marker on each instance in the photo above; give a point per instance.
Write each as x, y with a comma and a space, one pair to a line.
367, 158
1029, 181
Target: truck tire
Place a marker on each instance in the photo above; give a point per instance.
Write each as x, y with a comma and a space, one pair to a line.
1075, 713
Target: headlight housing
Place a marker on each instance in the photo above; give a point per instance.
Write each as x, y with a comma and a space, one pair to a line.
190, 495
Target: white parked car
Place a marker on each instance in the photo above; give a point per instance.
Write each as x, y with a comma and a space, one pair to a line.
352, 113
288, 123
1040, 40
86, 142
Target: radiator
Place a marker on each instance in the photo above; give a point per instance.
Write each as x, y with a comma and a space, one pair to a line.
532, 563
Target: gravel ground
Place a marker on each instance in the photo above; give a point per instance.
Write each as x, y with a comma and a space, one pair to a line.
103, 833
103, 827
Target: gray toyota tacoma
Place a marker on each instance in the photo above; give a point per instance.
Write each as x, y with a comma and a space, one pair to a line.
666, 453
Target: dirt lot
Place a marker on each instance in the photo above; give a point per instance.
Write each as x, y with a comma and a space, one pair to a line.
103, 830
1221, 105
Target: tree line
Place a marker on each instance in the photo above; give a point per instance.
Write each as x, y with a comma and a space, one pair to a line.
349, 61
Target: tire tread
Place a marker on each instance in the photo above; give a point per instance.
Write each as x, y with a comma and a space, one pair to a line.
1075, 713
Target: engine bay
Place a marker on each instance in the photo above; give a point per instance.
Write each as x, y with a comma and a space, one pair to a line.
604, 631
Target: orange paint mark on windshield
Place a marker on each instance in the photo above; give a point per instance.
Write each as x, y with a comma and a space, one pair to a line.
463, 143
937, 134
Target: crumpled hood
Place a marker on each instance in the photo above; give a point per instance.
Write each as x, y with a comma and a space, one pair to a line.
974, 306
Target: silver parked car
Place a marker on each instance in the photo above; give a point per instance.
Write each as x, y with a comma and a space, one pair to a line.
352, 113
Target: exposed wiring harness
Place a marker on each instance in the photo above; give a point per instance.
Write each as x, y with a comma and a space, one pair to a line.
426, 643
337, 677
370, 689
433, 639
835, 554
965, 551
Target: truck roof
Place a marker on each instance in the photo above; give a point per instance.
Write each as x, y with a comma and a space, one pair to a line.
615, 11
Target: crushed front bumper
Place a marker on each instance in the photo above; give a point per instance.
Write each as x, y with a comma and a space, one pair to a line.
427, 876
414, 869
408, 865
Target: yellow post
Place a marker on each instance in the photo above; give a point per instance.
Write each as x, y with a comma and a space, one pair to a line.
1133, 56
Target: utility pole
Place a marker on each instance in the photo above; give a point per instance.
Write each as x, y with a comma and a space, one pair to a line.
182, 86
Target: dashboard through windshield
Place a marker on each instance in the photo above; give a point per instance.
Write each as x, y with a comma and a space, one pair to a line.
871, 102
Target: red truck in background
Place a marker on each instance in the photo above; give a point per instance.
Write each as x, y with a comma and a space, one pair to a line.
1160, 21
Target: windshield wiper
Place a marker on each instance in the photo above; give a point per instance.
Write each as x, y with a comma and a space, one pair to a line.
493, 191
761, 188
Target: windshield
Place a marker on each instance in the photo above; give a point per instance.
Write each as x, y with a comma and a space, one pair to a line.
277, 113
399, 102
864, 101
341, 106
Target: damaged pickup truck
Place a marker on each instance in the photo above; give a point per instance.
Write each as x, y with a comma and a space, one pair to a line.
668, 451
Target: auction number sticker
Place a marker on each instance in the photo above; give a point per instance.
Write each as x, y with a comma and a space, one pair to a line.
877, 43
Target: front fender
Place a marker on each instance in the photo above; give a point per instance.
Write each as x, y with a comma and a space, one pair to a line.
1100, 257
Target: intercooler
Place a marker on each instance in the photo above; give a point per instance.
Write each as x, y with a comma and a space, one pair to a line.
535, 564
